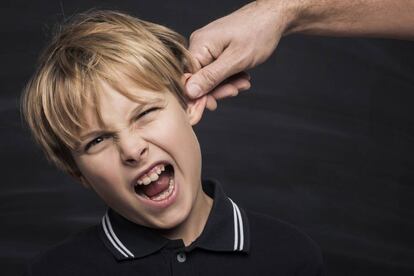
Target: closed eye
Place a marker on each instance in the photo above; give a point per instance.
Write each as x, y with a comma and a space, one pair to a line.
149, 110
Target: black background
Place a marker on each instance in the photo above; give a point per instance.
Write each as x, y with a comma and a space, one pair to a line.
324, 140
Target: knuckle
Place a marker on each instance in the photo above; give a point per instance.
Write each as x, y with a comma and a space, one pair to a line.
210, 78
195, 35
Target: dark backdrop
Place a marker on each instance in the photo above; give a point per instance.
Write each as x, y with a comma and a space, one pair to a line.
324, 140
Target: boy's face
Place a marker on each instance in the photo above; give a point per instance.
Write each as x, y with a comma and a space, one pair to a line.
113, 159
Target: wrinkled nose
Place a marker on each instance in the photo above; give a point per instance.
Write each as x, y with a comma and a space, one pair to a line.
133, 149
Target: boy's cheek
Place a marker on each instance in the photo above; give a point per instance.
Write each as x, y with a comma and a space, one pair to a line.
96, 167
174, 132
175, 137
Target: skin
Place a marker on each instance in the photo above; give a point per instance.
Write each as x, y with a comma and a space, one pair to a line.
230, 45
127, 147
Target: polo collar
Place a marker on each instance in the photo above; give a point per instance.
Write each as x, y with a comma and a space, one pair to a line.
226, 230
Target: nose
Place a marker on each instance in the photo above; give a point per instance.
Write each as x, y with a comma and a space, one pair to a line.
132, 149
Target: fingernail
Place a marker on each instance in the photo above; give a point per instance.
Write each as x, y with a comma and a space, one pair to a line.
194, 90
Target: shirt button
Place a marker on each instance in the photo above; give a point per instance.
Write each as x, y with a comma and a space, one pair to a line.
181, 257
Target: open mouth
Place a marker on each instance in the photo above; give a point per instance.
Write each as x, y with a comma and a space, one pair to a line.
158, 184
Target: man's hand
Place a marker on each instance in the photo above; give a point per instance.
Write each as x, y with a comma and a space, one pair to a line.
227, 47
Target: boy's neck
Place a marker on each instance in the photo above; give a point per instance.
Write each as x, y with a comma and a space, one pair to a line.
191, 228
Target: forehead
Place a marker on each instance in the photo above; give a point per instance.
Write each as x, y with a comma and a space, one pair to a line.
116, 101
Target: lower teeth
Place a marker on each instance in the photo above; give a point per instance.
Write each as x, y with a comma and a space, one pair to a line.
164, 194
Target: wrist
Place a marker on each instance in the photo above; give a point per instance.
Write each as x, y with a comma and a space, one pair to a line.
286, 14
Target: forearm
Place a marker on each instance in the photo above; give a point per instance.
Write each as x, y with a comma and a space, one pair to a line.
249, 35
369, 18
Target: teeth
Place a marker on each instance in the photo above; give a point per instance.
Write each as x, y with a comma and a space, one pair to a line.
147, 179
166, 193
154, 176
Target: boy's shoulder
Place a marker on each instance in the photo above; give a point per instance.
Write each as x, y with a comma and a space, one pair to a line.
290, 246
274, 246
76, 253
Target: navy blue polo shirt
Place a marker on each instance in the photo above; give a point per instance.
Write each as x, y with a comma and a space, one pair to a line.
233, 242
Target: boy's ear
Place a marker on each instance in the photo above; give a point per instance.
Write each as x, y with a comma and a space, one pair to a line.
195, 107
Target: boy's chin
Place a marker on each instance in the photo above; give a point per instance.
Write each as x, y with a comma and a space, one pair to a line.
172, 227
170, 224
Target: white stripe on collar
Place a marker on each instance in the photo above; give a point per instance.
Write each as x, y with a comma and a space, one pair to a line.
238, 227
110, 234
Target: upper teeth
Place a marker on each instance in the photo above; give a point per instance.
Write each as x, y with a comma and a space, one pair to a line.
152, 175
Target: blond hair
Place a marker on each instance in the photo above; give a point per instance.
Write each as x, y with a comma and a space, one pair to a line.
93, 47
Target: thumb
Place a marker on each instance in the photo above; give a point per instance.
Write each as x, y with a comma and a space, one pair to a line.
208, 77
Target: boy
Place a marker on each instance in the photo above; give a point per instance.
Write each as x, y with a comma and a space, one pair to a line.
107, 106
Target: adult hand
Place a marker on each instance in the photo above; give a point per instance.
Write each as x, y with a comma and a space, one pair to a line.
226, 47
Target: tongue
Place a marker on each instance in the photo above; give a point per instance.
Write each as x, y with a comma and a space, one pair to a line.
157, 187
